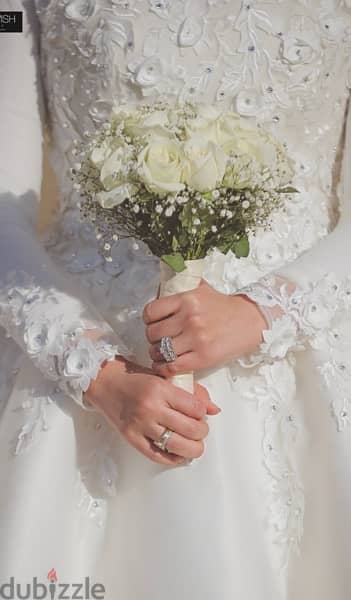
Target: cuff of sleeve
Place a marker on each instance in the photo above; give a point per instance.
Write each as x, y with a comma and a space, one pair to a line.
298, 313
82, 363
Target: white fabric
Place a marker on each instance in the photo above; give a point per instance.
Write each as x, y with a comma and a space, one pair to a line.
265, 512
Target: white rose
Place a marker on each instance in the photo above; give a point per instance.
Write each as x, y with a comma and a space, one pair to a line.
111, 169
241, 140
206, 123
204, 165
227, 127
116, 196
160, 166
153, 125
101, 153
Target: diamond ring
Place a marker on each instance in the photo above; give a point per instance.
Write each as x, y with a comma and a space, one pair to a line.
163, 439
166, 349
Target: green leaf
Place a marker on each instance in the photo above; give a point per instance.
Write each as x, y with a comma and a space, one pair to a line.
225, 247
175, 244
183, 238
242, 247
175, 261
288, 190
186, 217
207, 195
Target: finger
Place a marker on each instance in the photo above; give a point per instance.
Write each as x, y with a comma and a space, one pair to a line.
181, 343
186, 363
177, 444
184, 447
188, 427
146, 447
171, 327
203, 282
185, 403
202, 394
161, 308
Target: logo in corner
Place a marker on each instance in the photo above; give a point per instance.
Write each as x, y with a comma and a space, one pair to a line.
52, 577
11, 21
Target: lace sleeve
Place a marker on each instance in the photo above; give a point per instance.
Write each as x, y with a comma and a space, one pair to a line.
307, 298
296, 314
39, 308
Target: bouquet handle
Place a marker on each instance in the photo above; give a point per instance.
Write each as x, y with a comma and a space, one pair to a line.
175, 283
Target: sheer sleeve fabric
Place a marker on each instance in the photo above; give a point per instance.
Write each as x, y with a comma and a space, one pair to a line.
64, 336
305, 299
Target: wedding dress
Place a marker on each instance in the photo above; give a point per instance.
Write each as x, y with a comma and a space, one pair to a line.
264, 514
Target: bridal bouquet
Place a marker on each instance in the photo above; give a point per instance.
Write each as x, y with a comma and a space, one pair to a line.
184, 180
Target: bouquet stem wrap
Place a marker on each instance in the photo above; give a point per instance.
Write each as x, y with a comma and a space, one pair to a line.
175, 283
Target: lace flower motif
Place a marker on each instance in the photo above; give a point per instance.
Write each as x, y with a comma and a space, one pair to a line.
64, 351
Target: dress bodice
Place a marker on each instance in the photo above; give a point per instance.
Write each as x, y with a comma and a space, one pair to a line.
283, 64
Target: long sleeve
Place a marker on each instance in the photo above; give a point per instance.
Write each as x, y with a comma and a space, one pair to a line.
308, 299
39, 307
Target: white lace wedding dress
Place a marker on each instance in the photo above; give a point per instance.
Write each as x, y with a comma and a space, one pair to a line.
264, 514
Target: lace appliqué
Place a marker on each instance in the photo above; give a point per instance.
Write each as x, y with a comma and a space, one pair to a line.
36, 319
273, 390
300, 317
309, 317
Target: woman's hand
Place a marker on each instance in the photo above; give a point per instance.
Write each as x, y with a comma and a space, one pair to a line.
141, 405
207, 328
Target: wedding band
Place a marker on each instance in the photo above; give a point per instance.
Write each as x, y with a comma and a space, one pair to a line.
163, 439
166, 349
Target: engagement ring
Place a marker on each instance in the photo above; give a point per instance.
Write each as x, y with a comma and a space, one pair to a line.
166, 349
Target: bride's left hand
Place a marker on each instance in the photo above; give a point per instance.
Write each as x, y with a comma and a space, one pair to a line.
207, 328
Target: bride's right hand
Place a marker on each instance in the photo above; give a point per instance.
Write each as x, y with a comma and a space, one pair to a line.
141, 405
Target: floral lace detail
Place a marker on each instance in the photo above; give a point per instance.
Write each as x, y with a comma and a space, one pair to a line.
36, 319
273, 389
310, 317
263, 63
